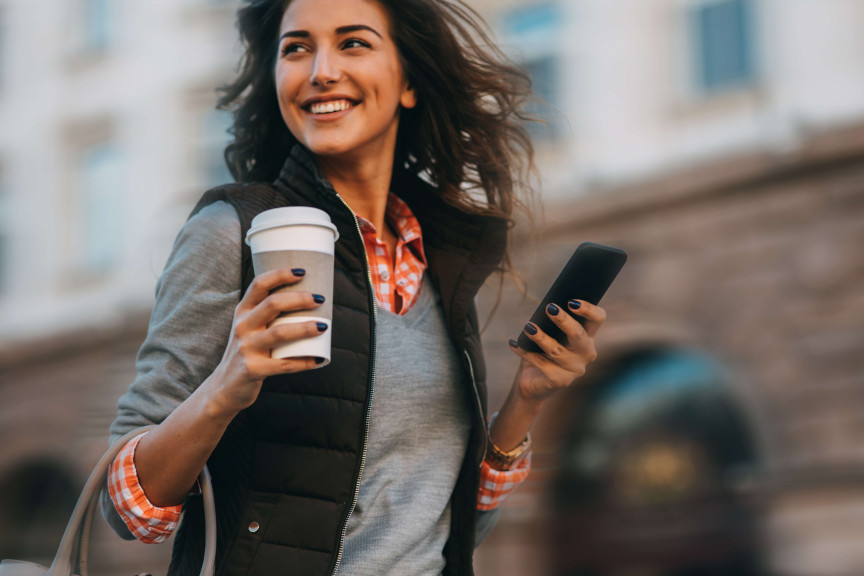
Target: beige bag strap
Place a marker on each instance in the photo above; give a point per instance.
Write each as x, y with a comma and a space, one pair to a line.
74, 546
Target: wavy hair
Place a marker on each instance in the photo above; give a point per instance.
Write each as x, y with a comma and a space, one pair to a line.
467, 133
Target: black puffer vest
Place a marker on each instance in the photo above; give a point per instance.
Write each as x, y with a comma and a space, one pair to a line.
286, 472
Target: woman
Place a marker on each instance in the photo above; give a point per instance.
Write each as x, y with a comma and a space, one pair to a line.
390, 116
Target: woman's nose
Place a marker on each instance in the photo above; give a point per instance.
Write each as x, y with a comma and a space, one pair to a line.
326, 69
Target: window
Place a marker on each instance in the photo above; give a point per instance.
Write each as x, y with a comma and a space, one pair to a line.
535, 30
91, 29
98, 21
211, 4
214, 138
98, 225
722, 44
544, 79
5, 222
3, 48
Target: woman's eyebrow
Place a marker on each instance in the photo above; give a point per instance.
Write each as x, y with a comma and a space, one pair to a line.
355, 28
341, 30
295, 34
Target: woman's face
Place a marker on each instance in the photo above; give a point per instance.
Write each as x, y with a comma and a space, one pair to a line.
339, 80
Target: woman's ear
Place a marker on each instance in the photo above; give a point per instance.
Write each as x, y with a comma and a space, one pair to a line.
409, 97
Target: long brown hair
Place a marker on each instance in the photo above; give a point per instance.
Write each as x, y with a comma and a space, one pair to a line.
467, 133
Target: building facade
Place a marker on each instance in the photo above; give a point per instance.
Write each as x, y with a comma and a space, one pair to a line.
719, 432
724, 415
110, 135
719, 142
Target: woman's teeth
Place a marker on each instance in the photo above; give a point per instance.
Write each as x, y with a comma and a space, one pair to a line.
329, 107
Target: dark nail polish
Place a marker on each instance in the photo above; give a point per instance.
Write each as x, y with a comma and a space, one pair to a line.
530, 329
513, 343
552, 309
574, 304
298, 271
319, 299
319, 360
321, 326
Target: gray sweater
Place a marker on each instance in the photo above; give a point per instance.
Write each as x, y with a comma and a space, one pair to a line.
419, 421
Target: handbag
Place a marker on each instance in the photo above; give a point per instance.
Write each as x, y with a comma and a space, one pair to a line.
71, 557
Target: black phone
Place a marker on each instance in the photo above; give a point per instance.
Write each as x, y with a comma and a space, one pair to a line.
587, 276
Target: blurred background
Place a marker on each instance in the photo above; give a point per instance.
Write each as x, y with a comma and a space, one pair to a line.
719, 142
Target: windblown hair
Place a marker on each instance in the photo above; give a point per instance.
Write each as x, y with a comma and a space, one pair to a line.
467, 133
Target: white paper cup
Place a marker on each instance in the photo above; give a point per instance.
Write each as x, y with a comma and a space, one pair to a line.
298, 237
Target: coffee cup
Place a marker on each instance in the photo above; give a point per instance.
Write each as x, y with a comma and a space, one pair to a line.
298, 237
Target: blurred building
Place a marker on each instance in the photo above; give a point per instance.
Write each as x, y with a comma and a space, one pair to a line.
109, 137
719, 142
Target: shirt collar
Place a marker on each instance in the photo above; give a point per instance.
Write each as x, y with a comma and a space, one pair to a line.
403, 222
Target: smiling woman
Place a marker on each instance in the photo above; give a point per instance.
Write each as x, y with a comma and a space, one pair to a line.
466, 130
341, 86
402, 121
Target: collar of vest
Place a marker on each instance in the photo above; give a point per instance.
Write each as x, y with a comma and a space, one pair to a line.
462, 248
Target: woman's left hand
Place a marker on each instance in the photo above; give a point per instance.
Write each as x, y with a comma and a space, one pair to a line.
542, 374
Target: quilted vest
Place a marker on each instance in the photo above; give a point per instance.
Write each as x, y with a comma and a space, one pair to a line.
286, 471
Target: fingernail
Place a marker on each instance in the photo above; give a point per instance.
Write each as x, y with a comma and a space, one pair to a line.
530, 329
321, 326
574, 304
319, 360
319, 299
513, 343
552, 309
298, 271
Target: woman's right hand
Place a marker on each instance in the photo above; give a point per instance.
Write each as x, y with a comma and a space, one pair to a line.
247, 360
169, 458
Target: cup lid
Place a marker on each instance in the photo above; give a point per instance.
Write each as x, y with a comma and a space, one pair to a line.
291, 216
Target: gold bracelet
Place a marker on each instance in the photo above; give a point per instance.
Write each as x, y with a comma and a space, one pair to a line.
501, 460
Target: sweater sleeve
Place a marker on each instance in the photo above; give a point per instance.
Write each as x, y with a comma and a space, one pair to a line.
186, 338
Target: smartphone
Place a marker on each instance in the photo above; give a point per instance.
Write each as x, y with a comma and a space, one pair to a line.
587, 276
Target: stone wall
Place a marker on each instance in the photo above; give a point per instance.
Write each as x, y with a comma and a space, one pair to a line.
57, 399
756, 261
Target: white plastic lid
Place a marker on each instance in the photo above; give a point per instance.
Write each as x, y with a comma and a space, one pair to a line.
291, 216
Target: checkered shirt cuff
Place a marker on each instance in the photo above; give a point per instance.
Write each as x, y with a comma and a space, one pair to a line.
496, 485
150, 524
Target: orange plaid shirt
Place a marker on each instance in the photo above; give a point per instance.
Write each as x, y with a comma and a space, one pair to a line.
397, 285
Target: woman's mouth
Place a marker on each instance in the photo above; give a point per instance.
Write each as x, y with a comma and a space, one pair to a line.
330, 106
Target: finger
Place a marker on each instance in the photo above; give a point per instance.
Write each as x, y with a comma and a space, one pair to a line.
593, 315
537, 359
551, 347
274, 366
571, 359
286, 332
574, 331
551, 370
291, 365
269, 309
265, 283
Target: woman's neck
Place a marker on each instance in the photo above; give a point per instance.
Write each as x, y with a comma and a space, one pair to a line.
364, 185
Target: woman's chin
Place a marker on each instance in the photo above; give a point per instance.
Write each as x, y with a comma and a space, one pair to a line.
329, 149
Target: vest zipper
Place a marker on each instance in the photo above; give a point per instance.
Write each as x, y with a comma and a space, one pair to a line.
374, 307
479, 406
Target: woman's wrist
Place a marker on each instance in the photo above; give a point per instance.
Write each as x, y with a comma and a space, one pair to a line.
500, 459
217, 408
514, 421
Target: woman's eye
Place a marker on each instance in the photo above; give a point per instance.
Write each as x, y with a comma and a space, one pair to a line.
292, 48
355, 43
